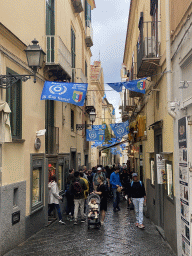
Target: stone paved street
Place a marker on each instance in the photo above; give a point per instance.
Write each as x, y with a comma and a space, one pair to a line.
118, 236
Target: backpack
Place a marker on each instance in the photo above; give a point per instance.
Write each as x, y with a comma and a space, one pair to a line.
139, 182
77, 188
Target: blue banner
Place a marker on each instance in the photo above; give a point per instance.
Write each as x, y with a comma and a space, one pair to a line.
120, 129
99, 127
116, 86
96, 144
136, 85
73, 93
95, 135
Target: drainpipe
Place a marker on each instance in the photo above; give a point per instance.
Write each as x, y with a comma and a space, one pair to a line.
168, 59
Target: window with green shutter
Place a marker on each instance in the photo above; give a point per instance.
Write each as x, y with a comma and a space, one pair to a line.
50, 17
87, 14
73, 55
14, 99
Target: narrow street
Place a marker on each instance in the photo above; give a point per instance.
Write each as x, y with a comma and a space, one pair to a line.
118, 236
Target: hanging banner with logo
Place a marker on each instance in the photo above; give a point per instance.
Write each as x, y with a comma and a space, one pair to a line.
99, 127
133, 85
120, 129
73, 93
136, 85
95, 135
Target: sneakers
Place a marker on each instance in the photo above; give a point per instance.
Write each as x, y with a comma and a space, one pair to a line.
75, 222
82, 220
136, 224
102, 222
141, 226
62, 222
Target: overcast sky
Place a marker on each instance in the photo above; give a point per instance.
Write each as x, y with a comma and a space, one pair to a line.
109, 21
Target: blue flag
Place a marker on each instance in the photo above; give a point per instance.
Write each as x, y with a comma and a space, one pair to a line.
73, 93
99, 127
116, 86
113, 112
95, 135
136, 85
120, 129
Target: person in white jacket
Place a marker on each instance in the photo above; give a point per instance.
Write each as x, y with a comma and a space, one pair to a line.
54, 197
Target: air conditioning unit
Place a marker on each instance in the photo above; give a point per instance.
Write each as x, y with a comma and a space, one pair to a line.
150, 47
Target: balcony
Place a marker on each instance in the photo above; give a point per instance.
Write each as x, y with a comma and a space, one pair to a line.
148, 57
78, 76
88, 33
58, 58
78, 6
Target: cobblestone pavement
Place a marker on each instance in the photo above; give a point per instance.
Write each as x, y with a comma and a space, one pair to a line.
118, 236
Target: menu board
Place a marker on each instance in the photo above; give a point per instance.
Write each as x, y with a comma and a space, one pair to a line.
184, 186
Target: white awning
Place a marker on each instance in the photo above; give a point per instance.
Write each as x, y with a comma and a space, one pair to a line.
5, 128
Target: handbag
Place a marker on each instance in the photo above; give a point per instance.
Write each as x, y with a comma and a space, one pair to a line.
119, 189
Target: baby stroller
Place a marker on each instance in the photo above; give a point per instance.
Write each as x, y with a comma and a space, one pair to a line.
93, 211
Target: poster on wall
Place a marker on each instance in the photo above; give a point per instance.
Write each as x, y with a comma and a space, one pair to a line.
184, 187
161, 175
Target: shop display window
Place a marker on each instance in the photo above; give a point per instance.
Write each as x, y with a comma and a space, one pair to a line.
36, 186
152, 166
60, 177
37, 182
169, 172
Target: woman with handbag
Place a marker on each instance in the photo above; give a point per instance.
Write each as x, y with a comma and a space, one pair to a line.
54, 197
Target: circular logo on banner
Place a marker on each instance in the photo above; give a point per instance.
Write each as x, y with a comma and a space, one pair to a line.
120, 130
57, 89
92, 135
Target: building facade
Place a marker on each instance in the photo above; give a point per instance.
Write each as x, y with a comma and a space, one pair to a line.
29, 157
151, 137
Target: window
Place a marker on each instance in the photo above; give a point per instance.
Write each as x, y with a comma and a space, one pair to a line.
14, 99
73, 55
50, 17
87, 14
37, 182
60, 178
72, 120
36, 189
169, 172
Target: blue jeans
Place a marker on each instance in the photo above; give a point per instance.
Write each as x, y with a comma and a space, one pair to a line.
138, 204
116, 198
52, 206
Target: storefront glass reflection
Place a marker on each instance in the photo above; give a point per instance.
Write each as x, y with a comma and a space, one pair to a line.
36, 189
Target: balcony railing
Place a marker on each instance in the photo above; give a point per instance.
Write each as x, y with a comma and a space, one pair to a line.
88, 33
78, 76
148, 56
58, 54
78, 6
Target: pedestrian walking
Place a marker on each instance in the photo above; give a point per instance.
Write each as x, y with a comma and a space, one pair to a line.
86, 191
90, 179
96, 176
101, 191
138, 195
77, 188
116, 188
69, 195
53, 198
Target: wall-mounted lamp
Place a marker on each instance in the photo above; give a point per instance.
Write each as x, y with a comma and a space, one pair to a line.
35, 56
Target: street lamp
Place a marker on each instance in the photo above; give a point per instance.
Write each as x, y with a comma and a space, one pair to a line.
92, 116
35, 56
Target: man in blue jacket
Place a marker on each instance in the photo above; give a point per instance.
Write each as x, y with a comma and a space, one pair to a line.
115, 183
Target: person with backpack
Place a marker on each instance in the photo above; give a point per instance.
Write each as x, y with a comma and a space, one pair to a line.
138, 195
77, 189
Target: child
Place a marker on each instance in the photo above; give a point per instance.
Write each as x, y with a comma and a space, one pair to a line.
93, 208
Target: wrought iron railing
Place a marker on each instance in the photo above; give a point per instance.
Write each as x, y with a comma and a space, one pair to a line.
57, 53
148, 44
